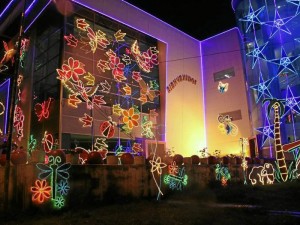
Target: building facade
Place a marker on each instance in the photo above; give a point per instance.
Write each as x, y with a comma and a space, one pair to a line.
270, 39
106, 75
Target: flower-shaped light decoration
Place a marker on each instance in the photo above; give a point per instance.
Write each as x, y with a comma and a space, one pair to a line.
63, 187
130, 118
72, 70
59, 202
117, 68
41, 191
151, 57
157, 165
173, 168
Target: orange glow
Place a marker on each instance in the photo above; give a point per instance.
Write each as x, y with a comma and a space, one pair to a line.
41, 191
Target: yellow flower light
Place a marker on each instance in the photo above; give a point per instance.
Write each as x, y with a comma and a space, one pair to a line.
130, 118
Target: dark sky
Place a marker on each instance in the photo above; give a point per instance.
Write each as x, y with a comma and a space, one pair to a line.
200, 19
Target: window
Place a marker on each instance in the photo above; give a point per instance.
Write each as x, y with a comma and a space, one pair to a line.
224, 74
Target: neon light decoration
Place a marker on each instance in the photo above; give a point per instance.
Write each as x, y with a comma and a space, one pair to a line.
107, 128
252, 17
279, 154
42, 109
18, 122
130, 118
244, 142
222, 87
58, 174
137, 148
48, 142
119, 36
73, 100
176, 179
279, 69
262, 88
105, 86
262, 174
41, 191
19, 80
226, 126
86, 120
117, 66
31, 144
8, 54
285, 62
278, 24
222, 174
23, 50
147, 125
117, 110
71, 40
2, 108
156, 166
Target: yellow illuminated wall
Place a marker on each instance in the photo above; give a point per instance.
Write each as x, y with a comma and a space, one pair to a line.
223, 53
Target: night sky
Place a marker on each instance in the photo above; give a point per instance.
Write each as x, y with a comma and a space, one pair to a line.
200, 19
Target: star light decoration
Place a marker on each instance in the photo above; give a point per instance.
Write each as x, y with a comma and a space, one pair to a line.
252, 17
262, 88
279, 24
257, 53
267, 130
296, 3
285, 62
291, 104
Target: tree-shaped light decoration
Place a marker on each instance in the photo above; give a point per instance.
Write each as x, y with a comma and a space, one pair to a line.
279, 153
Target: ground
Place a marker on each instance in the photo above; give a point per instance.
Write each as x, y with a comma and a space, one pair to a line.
234, 204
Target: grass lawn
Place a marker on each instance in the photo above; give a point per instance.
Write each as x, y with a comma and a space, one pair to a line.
216, 205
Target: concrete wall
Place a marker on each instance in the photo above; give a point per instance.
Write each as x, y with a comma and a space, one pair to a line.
95, 184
